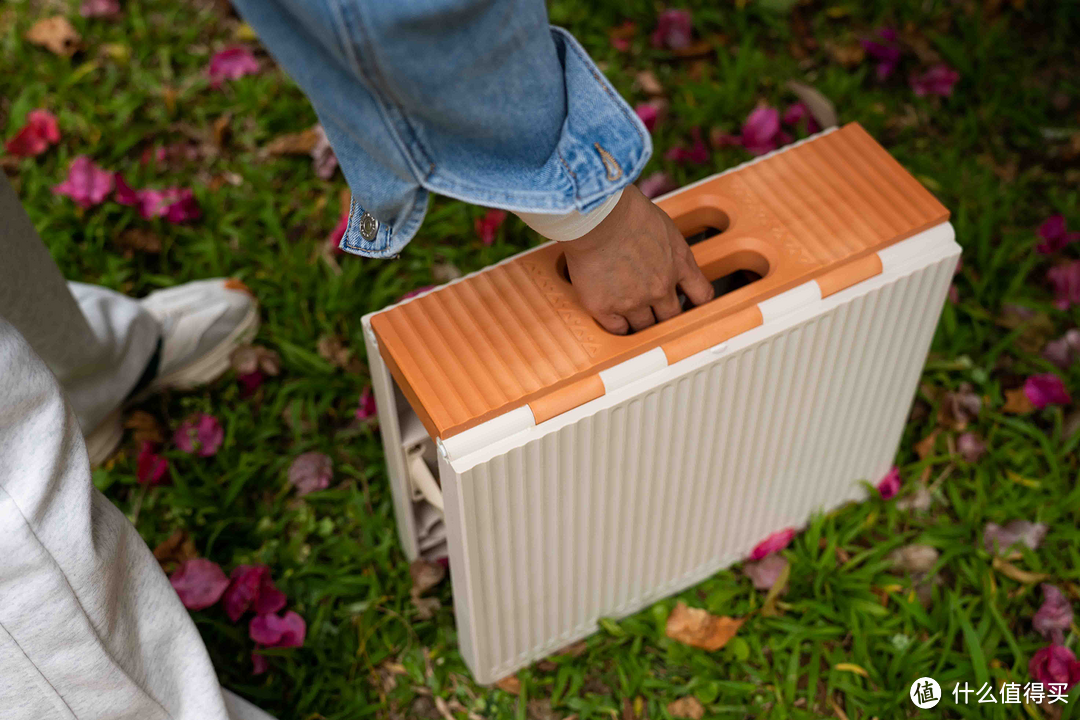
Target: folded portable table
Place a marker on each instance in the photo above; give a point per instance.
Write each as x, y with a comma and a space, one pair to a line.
572, 474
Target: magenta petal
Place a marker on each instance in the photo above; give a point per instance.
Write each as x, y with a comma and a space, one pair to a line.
150, 468
487, 227
674, 29
34, 138
890, 484
366, 409
1054, 234
259, 663
333, 240
201, 435
1055, 615
1055, 664
774, 543
1046, 389
311, 471
124, 194
99, 8
970, 447
86, 183
938, 80
199, 583
648, 112
230, 64
1066, 282
278, 631
656, 185
244, 586
270, 599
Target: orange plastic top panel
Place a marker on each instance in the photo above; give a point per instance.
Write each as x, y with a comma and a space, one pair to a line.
515, 333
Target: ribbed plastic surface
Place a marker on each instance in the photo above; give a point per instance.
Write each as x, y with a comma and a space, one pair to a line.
514, 334
636, 501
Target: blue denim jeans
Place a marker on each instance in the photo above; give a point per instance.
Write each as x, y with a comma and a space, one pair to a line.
480, 101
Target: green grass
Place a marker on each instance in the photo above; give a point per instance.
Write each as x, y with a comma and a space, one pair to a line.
982, 151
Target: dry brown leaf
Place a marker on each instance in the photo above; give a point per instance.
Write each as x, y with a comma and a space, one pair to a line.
220, 131
1021, 576
333, 350
426, 607
175, 549
820, 106
55, 34
444, 272
509, 684
914, 558
247, 359
925, 447
1016, 402
298, 143
847, 54
575, 650
646, 82
686, 707
138, 239
145, 427
699, 49
425, 575
699, 628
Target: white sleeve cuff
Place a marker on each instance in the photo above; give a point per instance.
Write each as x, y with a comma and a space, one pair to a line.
572, 225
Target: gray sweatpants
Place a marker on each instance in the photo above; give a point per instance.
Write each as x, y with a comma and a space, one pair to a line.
90, 627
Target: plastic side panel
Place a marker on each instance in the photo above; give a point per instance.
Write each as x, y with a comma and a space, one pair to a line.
389, 430
646, 497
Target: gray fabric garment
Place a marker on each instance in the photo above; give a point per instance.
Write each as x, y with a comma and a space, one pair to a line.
90, 627
97, 342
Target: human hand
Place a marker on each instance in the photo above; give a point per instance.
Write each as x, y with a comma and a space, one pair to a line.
626, 269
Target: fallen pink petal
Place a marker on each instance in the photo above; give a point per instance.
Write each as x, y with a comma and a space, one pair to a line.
333, 240
765, 572
1055, 235
99, 8
417, 291
272, 630
1063, 351
231, 63
999, 540
487, 227
1054, 616
366, 408
199, 582
674, 29
761, 132
201, 435
885, 49
1045, 390
620, 36
86, 183
250, 588
250, 382
774, 543
650, 113
890, 484
310, 472
259, 663
696, 154
150, 468
1055, 664
177, 205
938, 80
970, 447
797, 113
35, 137
1065, 280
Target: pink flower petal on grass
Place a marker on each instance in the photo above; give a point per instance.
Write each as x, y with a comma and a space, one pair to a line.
1055, 615
657, 184
40, 131
890, 484
797, 113
970, 447
199, 583
250, 588
259, 663
201, 435
1055, 664
366, 408
273, 630
938, 80
1066, 282
1055, 236
99, 8
696, 154
487, 227
774, 543
311, 471
999, 540
1063, 351
150, 468
765, 572
885, 49
1046, 389
674, 29
761, 131
650, 114
230, 64
86, 183
333, 240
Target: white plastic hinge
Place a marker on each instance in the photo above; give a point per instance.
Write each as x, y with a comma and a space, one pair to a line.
424, 485
373, 339
633, 369
914, 251
487, 433
793, 299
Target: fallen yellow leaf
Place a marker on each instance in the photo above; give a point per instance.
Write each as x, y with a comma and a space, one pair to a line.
1017, 403
699, 628
55, 34
686, 707
1022, 576
851, 667
509, 684
1022, 480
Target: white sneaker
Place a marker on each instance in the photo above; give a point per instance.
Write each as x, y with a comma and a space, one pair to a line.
202, 322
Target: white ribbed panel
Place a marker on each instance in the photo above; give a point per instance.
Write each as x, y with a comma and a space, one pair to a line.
650, 494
